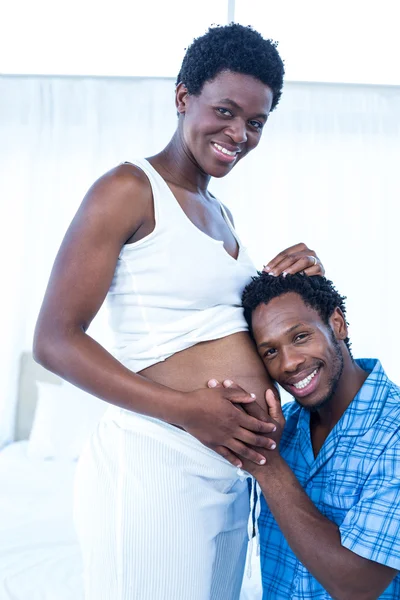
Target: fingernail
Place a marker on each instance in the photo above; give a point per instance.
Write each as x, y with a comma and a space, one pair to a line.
253, 395
238, 465
284, 273
273, 446
262, 462
272, 273
274, 429
212, 382
228, 382
267, 268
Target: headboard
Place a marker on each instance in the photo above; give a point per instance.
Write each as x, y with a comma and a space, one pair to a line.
29, 373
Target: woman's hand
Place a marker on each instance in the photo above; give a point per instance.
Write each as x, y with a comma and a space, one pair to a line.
273, 411
273, 407
293, 260
211, 416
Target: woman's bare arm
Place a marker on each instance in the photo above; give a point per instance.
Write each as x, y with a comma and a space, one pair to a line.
119, 207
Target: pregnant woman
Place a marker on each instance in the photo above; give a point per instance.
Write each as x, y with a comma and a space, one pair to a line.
161, 508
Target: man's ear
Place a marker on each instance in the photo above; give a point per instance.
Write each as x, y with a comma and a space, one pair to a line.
181, 96
338, 324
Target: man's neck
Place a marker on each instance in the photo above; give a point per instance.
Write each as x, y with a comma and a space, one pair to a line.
324, 419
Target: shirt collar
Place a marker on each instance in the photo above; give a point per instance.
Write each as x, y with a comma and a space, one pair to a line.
365, 408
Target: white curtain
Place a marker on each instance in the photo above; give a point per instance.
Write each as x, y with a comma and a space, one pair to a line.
326, 172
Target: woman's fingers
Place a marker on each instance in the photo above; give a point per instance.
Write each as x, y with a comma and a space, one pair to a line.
243, 451
237, 394
295, 259
315, 269
229, 456
295, 263
214, 383
255, 410
257, 440
273, 264
255, 425
238, 449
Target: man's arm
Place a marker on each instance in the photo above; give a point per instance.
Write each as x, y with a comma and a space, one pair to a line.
315, 540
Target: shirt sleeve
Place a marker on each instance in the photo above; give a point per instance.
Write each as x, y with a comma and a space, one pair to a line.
371, 528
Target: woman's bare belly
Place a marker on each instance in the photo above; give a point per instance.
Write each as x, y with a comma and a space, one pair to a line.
233, 357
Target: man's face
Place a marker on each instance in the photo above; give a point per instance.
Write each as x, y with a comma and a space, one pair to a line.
299, 350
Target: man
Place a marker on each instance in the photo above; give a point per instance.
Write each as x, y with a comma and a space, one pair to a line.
330, 511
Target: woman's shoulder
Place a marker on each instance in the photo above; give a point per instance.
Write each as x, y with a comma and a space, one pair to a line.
125, 187
125, 177
119, 200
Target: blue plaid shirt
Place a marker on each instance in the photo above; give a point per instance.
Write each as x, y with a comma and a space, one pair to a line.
354, 481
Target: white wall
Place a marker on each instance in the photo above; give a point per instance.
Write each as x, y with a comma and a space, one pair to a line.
346, 41
343, 41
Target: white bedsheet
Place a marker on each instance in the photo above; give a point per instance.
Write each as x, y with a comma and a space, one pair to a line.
39, 553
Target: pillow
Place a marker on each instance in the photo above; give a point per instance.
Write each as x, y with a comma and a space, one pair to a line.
64, 418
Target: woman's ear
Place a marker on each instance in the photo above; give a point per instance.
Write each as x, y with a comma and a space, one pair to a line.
181, 95
338, 324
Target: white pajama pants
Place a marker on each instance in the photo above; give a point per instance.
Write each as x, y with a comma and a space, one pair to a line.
159, 516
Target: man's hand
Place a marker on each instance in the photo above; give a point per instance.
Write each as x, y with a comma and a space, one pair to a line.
275, 412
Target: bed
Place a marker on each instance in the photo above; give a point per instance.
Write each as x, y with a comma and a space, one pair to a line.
39, 552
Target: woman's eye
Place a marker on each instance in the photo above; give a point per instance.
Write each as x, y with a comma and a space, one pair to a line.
224, 111
257, 125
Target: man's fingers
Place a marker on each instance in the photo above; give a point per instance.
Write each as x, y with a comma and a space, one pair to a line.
274, 407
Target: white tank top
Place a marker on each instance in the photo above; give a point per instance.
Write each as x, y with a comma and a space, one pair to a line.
176, 287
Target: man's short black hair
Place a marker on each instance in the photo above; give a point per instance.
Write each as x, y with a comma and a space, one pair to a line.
316, 292
234, 48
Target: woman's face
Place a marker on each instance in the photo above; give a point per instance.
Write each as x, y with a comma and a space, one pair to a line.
225, 122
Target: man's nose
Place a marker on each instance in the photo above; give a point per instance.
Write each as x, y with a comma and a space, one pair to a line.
291, 360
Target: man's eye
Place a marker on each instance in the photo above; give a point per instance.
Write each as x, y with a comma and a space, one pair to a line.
224, 111
270, 353
301, 337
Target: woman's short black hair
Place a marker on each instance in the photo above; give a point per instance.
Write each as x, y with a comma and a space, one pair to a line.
236, 48
316, 292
